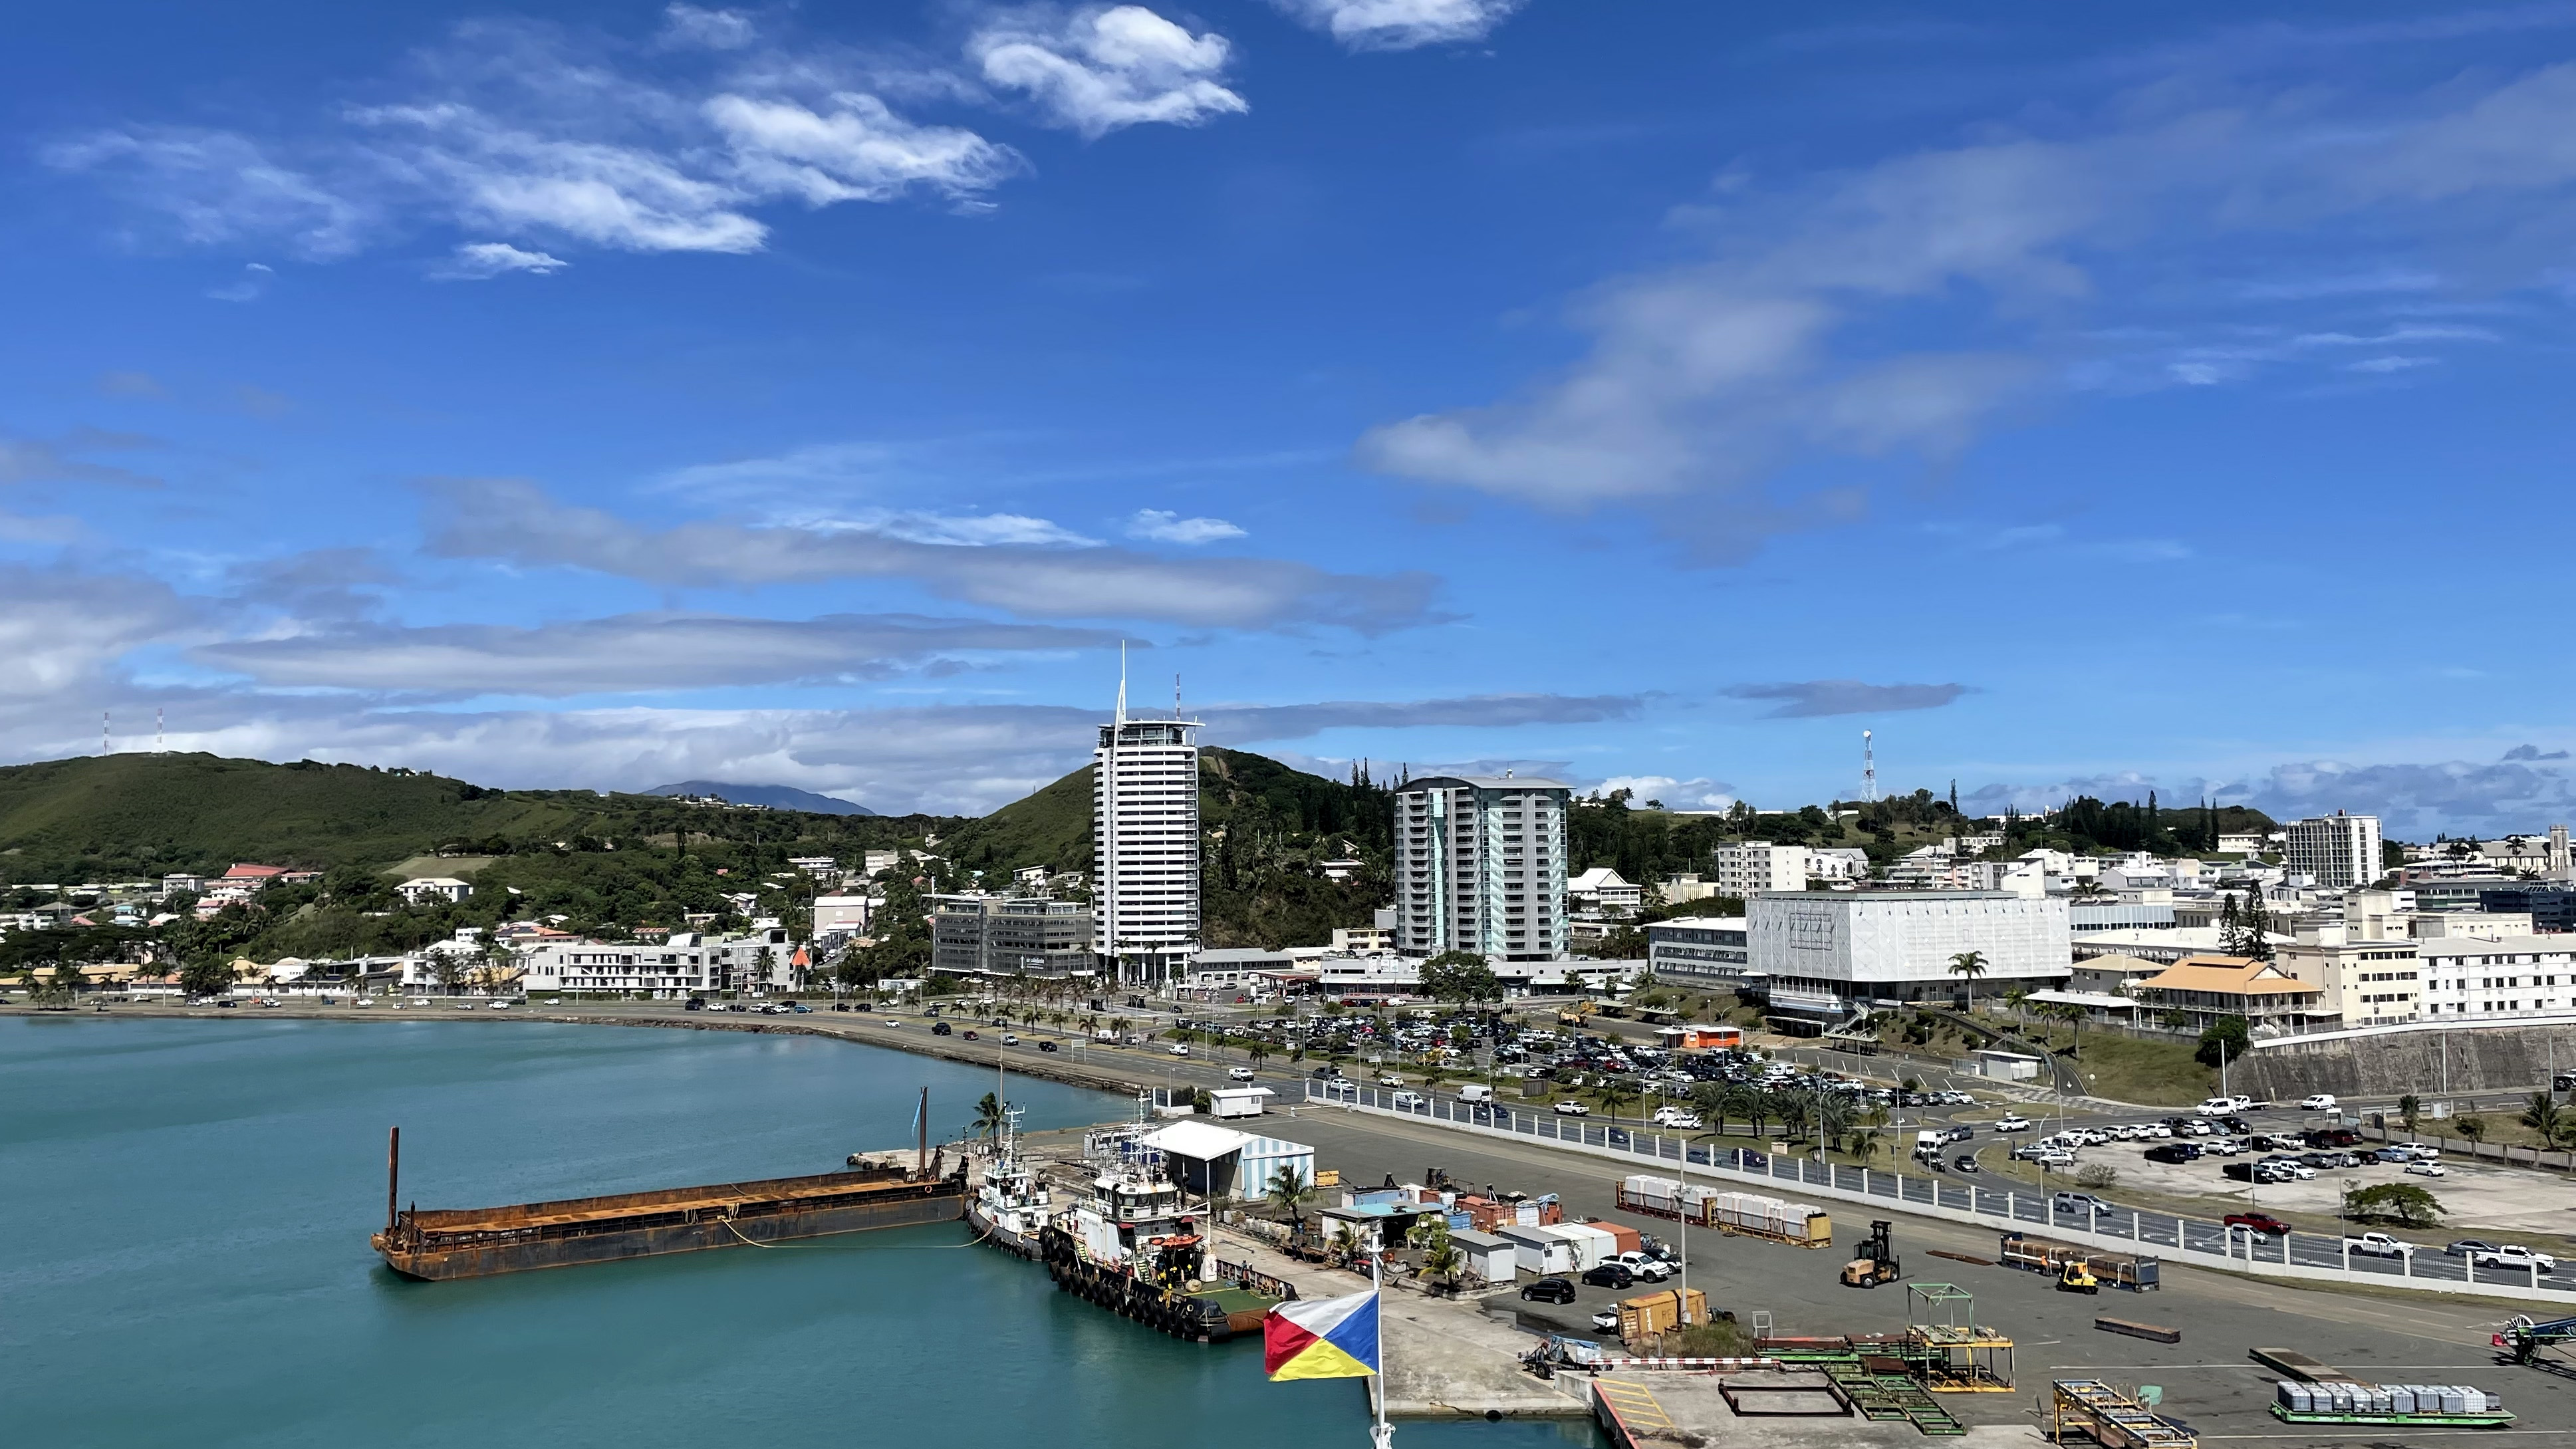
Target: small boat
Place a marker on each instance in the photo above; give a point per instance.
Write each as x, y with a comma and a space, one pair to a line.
1010, 1206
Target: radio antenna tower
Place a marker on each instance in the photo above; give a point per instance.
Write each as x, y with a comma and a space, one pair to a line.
104, 746
160, 740
1868, 771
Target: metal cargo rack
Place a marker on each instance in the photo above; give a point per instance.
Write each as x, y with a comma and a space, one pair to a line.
2111, 1418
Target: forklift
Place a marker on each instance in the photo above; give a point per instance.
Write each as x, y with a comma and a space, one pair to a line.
2077, 1277
1877, 1263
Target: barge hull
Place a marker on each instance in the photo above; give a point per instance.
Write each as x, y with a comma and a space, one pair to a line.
442, 1264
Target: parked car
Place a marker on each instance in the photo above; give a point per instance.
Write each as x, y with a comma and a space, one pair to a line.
2321, 1102
2427, 1169
1240, 1074
2259, 1222
2171, 1152
1572, 1109
1610, 1275
2379, 1245
1606, 1321
1549, 1290
1646, 1266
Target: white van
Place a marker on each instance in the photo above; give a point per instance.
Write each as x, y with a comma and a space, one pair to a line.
1478, 1092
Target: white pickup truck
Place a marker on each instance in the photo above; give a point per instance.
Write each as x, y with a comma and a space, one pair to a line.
2378, 1245
2516, 1256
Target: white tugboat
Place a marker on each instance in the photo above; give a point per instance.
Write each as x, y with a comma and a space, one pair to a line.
1010, 1207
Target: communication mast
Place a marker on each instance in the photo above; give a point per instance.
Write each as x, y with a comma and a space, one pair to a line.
1868, 771
105, 745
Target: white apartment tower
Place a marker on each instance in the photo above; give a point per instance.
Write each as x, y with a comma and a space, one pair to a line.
2337, 851
1480, 866
1145, 845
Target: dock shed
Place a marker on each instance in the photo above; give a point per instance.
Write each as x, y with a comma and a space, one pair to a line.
1230, 1102
1490, 1256
1540, 1250
1217, 1161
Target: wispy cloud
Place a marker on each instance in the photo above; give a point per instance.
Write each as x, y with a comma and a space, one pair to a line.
514, 522
519, 131
1101, 68
626, 653
1251, 723
61, 459
481, 261
1401, 24
1814, 324
250, 286
1164, 526
1815, 698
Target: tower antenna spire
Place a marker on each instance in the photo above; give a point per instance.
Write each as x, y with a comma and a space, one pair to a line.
1122, 681
1868, 770
160, 739
104, 745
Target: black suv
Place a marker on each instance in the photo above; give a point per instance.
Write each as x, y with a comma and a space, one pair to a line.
940, 1028
1610, 1275
1548, 1290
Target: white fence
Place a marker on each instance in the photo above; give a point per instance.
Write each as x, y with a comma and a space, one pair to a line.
2197, 1242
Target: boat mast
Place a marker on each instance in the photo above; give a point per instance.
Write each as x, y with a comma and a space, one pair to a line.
393, 1175
921, 1158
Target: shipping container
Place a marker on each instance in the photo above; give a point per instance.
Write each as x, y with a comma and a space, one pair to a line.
1653, 1313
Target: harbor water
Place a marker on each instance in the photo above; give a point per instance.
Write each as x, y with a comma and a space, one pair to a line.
189, 1203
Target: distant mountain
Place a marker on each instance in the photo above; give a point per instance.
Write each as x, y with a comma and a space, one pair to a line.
776, 797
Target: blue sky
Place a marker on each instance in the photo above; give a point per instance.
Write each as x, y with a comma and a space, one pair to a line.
612, 394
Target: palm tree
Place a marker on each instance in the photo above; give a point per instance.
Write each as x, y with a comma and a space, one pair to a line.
2408, 1109
1290, 1192
2017, 998
1442, 1260
1709, 1100
1968, 966
1616, 1091
990, 1114
1761, 1104
2075, 1017
1834, 1116
2546, 1118
1345, 1243
1258, 1050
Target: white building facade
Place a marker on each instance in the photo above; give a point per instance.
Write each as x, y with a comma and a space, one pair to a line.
1480, 866
2336, 851
1751, 866
2466, 978
1862, 946
1145, 846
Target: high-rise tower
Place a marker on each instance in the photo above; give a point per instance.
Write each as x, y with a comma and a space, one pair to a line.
1145, 844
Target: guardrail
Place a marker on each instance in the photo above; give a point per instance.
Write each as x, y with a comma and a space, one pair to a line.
2196, 1242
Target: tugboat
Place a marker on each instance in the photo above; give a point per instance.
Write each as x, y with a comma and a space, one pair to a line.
1133, 1246
1009, 1208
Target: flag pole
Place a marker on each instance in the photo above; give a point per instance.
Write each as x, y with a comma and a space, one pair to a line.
1380, 1435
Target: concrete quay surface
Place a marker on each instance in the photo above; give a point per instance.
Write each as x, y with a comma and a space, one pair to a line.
2208, 1380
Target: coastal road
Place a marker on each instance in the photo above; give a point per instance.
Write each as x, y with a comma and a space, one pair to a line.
2207, 1377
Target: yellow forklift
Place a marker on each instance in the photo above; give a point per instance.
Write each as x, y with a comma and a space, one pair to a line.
2077, 1277
1877, 1261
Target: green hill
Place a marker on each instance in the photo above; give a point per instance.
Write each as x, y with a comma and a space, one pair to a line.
1265, 830
138, 816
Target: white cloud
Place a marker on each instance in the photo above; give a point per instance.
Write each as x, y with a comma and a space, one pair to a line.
512, 131
965, 530
686, 26
220, 188
857, 149
250, 286
1400, 24
1818, 321
1700, 793
625, 653
514, 522
2390, 364
1099, 69
1164, 526
477, 261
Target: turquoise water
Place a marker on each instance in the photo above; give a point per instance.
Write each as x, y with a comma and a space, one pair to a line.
187, 1205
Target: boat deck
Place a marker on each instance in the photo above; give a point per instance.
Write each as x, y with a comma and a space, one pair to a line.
567, 1212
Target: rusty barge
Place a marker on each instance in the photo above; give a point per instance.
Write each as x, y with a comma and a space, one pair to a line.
439, 1244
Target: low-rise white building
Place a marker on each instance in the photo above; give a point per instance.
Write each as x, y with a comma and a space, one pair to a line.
1605, 889
686, 964
433, 887
2473, 977
1748, 867
1861, 946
